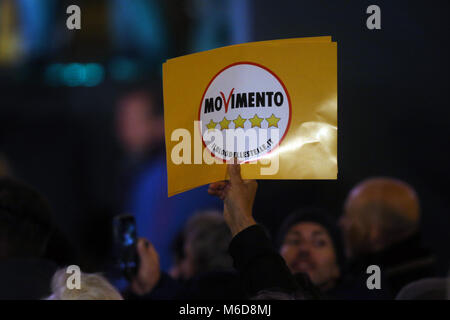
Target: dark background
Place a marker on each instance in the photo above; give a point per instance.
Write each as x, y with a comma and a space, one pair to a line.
393, 115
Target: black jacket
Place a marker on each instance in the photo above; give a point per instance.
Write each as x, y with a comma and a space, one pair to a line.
400, 264
259, 267
25, 279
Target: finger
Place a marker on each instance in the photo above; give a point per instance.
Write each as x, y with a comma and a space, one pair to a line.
234, 171
144, 247
218, 185
217, 188
224, 193
219, 194
251, 183
214, 192
212, 189
233, 161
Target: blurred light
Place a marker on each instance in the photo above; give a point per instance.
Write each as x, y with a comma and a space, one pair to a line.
94, 74
139, 26
52, 74
123, 69
36, 22
10, 50
74, 74
240, 21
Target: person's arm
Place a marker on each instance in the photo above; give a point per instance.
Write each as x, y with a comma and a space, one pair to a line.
150, 283
238, 196
260, 265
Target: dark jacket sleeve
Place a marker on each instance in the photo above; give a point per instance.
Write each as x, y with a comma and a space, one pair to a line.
259, 264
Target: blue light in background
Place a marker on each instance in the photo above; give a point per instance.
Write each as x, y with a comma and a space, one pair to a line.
240, 21
219, 23
74, 74
94, 74
52, 74
123, 69
139, 26
36, 22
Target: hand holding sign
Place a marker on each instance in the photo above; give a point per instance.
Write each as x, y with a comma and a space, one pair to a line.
270, 104
238, 197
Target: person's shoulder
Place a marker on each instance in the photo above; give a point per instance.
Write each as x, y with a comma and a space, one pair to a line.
215, 285
30, 264
26, 278
354, 287
152, 173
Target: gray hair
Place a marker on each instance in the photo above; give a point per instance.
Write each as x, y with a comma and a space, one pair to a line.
208, 236
92, 287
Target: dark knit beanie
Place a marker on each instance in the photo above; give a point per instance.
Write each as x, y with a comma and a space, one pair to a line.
320, 217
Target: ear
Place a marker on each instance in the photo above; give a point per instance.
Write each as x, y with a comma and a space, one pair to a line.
375, 239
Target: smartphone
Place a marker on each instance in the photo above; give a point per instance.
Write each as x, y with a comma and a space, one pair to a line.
125, 245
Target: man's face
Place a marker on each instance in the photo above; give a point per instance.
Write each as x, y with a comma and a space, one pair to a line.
353, 232
134, 123
308, 248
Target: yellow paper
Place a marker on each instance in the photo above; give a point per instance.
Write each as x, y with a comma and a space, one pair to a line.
257, 43
297, 76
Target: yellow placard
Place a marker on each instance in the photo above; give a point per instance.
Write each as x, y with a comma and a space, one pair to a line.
283, 92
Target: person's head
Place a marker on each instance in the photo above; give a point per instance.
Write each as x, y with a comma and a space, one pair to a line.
5, 169
378, 212
92, 287
425, 289
139, 119
205, 241
309, 242
25, 221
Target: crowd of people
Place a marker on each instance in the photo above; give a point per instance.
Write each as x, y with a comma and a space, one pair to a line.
221, 252
228, 255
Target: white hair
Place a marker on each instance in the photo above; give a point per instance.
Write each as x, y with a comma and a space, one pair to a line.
92, 287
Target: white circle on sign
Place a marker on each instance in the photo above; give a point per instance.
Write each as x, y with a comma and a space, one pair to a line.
244, 113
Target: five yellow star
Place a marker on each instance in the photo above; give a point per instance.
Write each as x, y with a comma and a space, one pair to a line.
239, 122
256, 121
273, 121
224, 123
211, 125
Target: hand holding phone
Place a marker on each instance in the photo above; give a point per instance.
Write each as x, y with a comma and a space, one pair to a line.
149, 273
125, 243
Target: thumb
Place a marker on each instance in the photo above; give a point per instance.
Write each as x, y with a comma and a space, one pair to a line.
143, 246
234, 171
